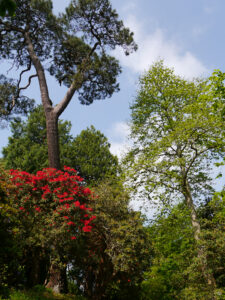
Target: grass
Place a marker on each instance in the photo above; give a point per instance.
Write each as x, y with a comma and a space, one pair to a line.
40, 293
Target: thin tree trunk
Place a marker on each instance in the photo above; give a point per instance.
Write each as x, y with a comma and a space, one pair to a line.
210, 280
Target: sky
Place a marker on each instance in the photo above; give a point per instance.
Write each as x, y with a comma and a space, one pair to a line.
187, 35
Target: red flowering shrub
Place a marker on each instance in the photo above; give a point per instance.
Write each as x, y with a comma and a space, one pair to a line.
52, 203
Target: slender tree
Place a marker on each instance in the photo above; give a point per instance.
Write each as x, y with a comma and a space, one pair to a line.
72, 48
178, 133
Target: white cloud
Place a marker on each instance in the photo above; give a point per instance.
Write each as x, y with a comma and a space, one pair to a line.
118, 137
120, 130
118, 149
157, 46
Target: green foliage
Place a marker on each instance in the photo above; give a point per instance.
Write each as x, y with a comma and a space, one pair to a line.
92, 158
88, 153
173, 249
213, 220
27, 147
10, 105
11, 271
40, 293
7, 6
111, 259
174, 272
177, 136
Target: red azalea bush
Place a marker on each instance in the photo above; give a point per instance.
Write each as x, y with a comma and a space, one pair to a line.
52, 203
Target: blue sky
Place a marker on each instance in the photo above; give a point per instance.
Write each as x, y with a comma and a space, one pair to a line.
188, 35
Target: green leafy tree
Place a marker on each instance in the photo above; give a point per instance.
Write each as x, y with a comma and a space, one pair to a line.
212, 214
110, 261
92, 158
74, 48
27, 147
88, 153
178, 134
174, 271
172, 253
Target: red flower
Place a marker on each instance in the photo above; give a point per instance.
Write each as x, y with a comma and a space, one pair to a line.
54, 187
83, 207
62, 195
87, 191
86, 229
71, 223
73, 238
77, 203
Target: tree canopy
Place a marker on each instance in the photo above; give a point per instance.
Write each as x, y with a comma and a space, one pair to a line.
73, 46
88, 153
92, 158
178, 134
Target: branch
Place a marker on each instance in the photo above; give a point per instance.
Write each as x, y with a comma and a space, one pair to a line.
40, 73
26, 70
197, 153
22, 88
29, 82
76, 84
10, 27
159, 181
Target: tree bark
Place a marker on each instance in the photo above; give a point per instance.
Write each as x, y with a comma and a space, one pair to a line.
57, 280
50, 114
53, 140
210, 280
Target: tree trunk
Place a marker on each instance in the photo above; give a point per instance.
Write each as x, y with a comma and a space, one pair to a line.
36, 265
210, 280
57, 277
53, 140
57, 280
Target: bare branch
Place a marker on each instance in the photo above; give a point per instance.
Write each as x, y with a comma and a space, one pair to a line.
29, 82
26, 70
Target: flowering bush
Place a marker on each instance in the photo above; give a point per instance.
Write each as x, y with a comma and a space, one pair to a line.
52, 204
